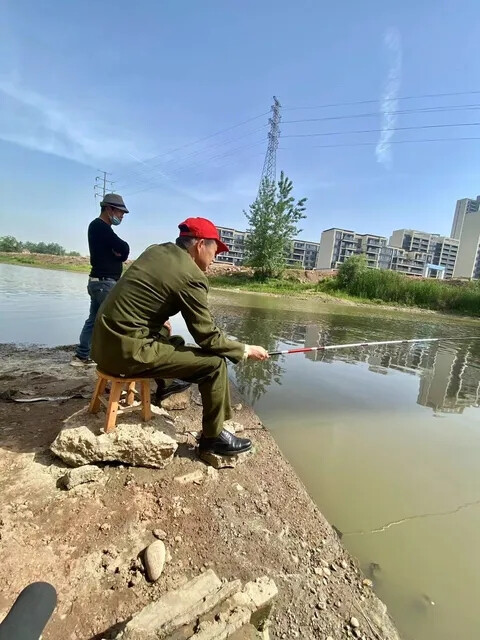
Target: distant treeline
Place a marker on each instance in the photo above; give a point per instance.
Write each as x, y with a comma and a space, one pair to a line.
9, 244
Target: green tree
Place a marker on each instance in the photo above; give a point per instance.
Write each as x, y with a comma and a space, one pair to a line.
10, 244
350, 271
273, 220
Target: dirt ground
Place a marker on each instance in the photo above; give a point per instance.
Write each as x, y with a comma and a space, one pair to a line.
254, 520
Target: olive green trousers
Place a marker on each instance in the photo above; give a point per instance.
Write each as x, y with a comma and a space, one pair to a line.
209, 371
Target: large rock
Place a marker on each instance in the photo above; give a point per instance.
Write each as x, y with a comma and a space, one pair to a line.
82, 475
143, 444
179, 607
223, 462
177, 401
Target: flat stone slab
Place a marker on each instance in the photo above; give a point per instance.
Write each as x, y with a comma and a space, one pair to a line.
233, 427
195, 477
142, 444
225, 626
179, 607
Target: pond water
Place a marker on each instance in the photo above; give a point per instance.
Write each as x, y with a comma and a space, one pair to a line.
386, 439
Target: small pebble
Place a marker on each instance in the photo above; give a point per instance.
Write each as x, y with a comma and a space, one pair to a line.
354, 622
160, 534
344, 564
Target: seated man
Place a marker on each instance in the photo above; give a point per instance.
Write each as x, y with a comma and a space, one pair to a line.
130, 337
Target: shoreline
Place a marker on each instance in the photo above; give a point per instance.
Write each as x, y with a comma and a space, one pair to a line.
81, 265
259, 515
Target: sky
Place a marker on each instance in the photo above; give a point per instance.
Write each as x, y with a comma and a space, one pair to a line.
172, 98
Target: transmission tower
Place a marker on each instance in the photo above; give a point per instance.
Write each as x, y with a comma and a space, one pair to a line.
101, 184
269, 170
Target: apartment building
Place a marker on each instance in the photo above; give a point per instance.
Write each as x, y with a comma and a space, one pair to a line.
304, 253
468, 259
336, 245
235, 241
424, 254
463, 207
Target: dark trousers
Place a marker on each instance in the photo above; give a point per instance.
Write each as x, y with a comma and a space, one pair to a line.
98, 291
207, 370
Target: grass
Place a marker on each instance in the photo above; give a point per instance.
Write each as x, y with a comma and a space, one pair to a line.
245, 282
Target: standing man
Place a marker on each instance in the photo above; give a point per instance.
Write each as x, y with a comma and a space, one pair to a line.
107, 255
130, 337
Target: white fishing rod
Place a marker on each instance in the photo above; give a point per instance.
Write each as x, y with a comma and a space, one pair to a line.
353, 345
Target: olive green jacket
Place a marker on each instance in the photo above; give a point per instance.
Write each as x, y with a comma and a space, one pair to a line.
162, 282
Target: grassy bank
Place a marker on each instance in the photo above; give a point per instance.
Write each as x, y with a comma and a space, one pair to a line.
370, 287
245, 282
393, 288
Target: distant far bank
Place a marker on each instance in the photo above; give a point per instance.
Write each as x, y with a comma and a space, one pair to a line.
388, 290
45, 261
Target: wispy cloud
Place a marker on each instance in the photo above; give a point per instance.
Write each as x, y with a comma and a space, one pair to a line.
389, 102
32, 120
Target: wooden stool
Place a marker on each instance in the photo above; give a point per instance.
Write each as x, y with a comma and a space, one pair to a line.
113, 403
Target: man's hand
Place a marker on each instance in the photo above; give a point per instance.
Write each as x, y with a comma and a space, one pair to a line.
254, 352
169, 327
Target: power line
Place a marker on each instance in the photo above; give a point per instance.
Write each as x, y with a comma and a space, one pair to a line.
202, 163
467, 107
175, 161
342, 133
357, 102
199, 140
374, 144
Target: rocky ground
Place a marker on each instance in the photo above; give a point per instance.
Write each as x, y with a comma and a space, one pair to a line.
246, 522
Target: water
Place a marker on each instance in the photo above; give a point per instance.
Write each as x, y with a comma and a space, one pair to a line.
386, 440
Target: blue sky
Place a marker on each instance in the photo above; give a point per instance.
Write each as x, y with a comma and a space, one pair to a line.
119, 86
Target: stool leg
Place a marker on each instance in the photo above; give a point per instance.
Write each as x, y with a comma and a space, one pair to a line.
145, 391
95, 401
130, 393
113, 400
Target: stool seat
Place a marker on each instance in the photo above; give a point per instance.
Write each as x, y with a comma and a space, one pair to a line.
113, 405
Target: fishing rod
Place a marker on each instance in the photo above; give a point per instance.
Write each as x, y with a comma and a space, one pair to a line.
353, 345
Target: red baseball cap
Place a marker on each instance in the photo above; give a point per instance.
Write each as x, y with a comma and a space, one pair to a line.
202, 228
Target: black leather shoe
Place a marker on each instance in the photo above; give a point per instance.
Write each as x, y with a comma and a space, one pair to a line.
225, 444
176, 386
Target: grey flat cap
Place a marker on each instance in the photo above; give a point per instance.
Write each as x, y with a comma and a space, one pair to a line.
113, 200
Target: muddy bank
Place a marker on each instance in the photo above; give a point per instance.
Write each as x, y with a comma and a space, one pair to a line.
256, 519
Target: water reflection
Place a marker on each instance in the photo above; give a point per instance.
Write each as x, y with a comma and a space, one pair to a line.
448, 372
254, 378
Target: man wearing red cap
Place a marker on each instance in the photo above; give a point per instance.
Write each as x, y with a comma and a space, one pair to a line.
130, 337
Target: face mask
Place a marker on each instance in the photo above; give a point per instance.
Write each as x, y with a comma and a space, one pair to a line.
115, 221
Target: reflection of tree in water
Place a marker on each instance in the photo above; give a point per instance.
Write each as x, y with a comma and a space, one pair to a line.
448, 372
256, 326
